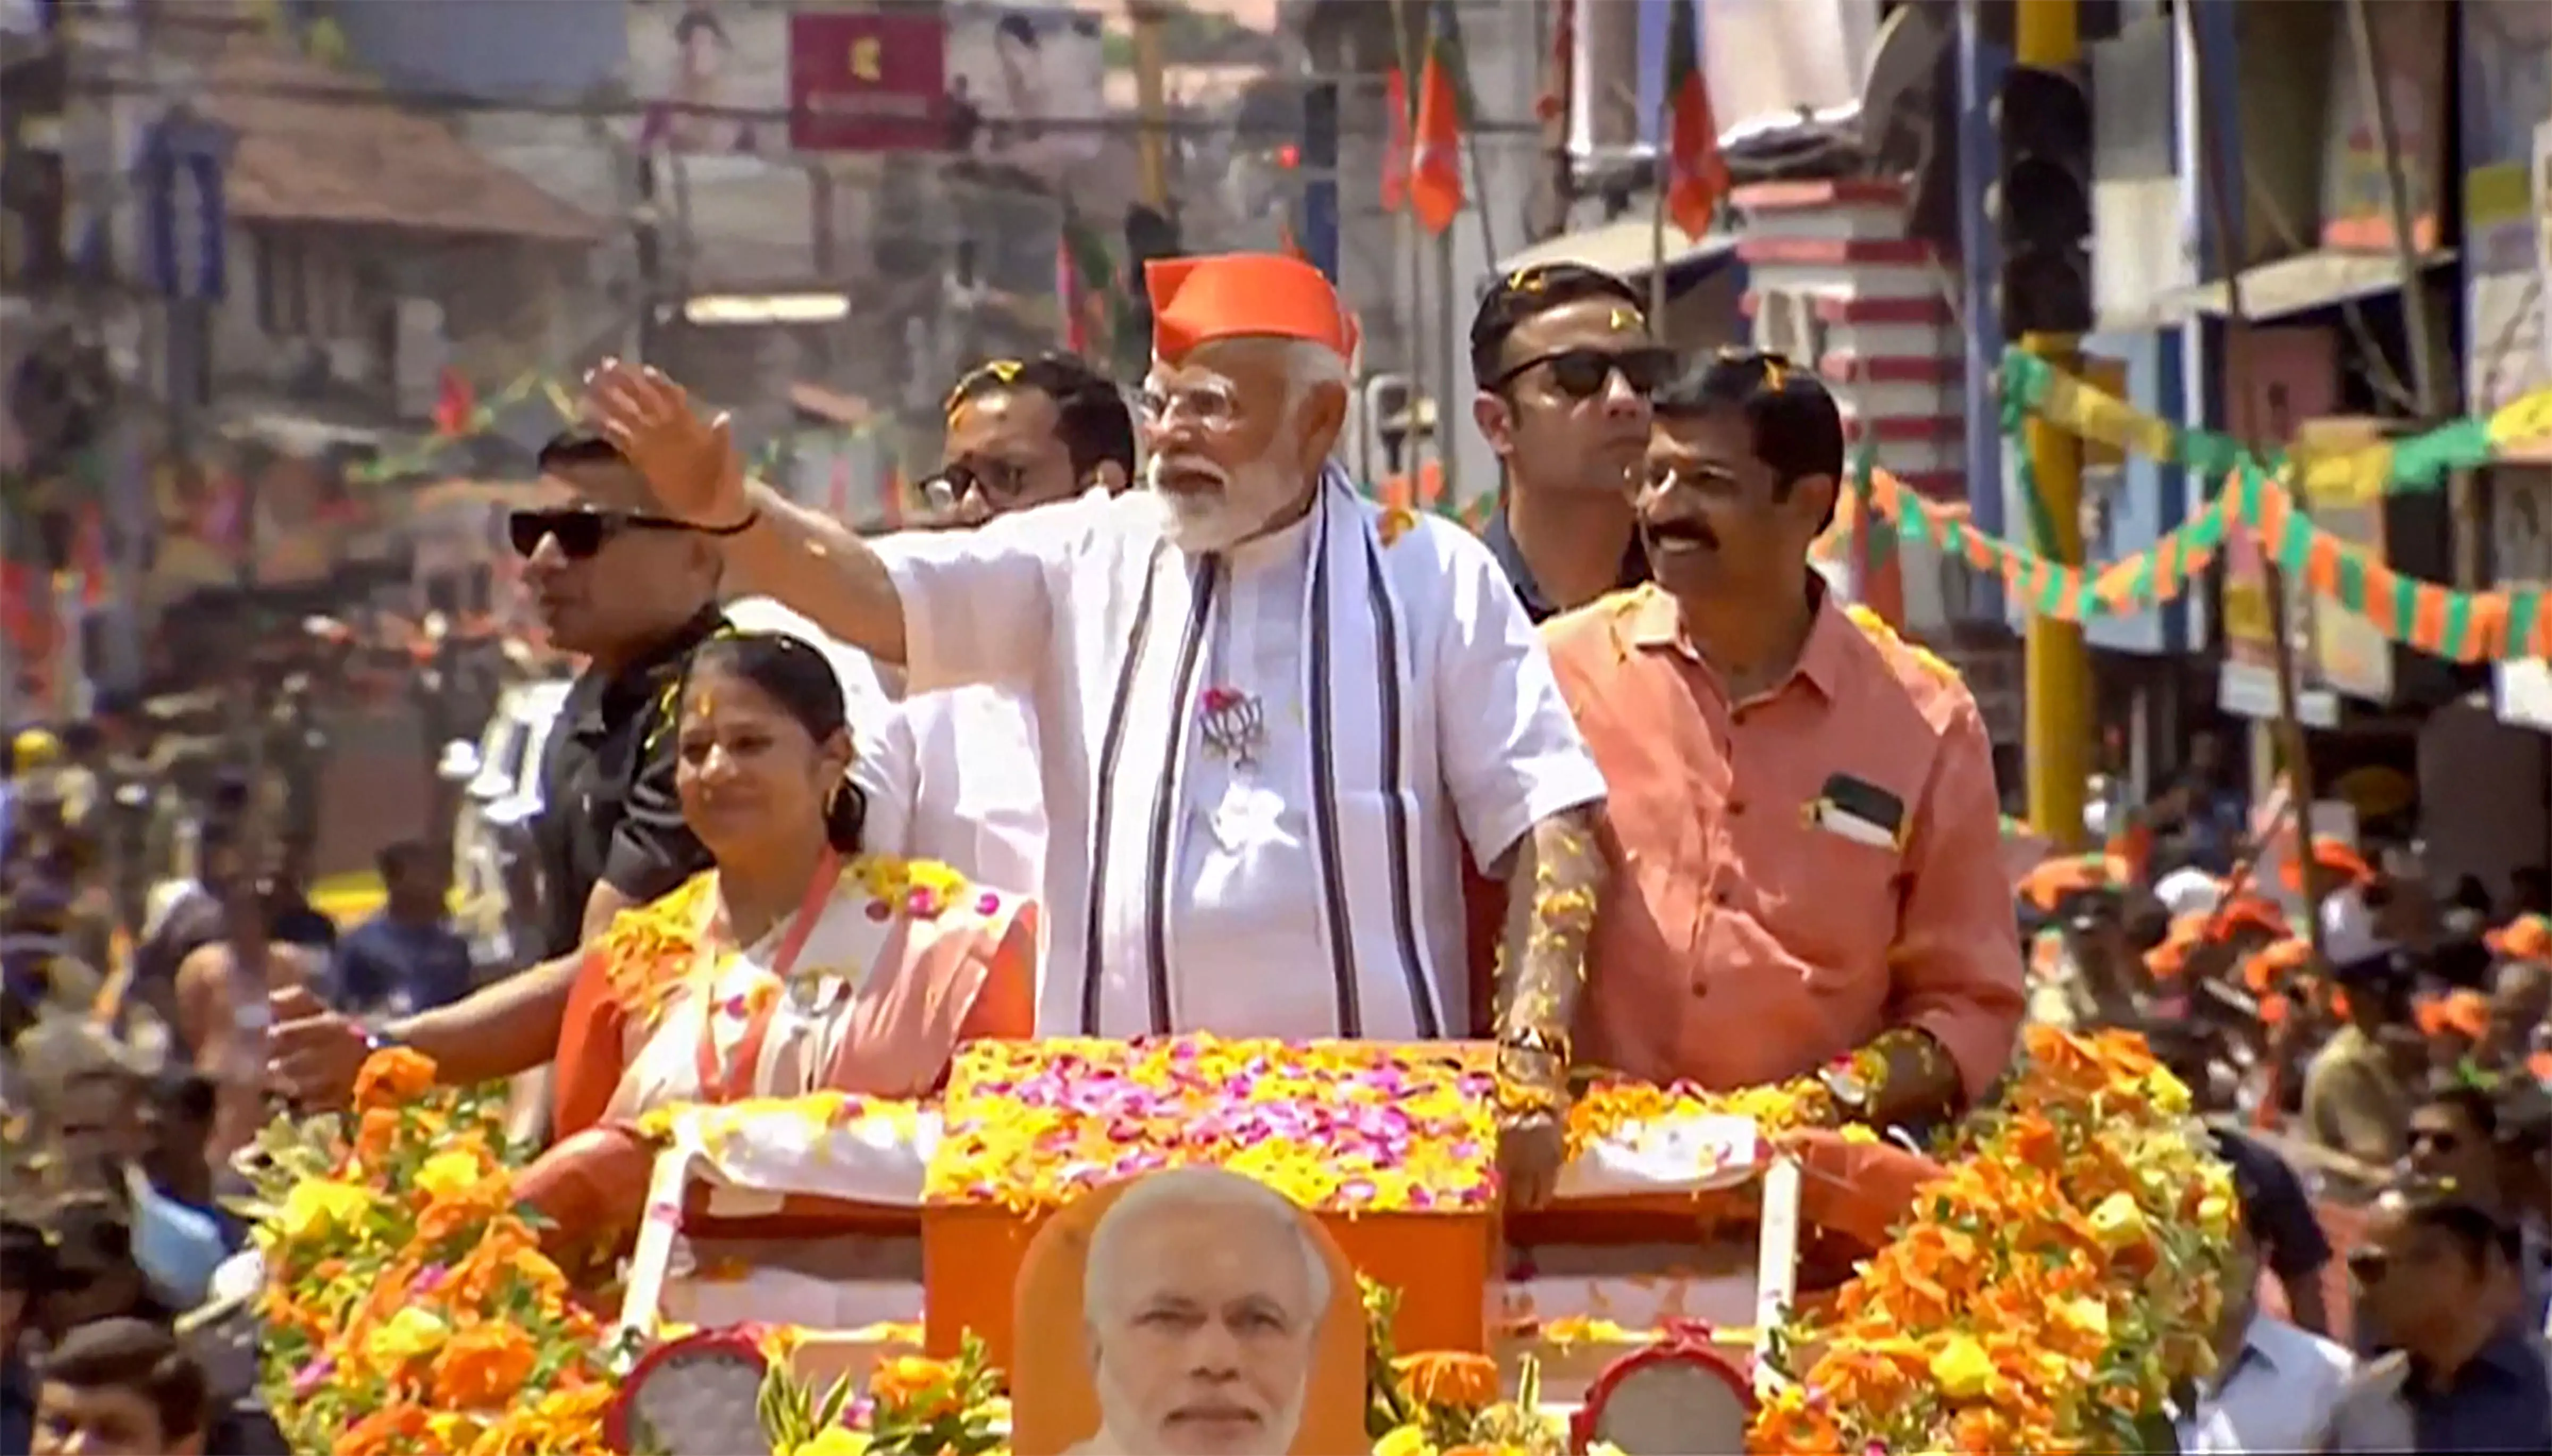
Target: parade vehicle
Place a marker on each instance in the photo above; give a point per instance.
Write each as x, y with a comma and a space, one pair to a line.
834, 1273
493, 869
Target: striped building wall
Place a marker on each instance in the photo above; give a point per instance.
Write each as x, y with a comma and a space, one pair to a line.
1834, 285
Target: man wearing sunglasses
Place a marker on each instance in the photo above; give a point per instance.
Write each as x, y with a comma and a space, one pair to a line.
1804, 810
632, 593
1566, 366
2438, 1274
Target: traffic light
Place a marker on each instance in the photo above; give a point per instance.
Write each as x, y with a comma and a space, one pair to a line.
1316, 228
2040, 205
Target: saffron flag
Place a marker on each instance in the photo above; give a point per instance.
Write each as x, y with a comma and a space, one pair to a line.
1696, 173
454, 403
1396, 149
1436, 158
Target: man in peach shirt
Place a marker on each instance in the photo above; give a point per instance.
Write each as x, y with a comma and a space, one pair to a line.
1802, 816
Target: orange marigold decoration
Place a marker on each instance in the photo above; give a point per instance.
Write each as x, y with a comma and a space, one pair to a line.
2050, 1289
408, 1310
1449, 1378
392, 1078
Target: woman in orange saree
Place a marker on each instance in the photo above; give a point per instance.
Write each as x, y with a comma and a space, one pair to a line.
796, 965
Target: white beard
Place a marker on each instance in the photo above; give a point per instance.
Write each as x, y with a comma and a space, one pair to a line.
1110, 1441
1220, 520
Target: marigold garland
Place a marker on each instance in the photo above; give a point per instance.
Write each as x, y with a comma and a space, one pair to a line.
650, 953
408, 1309
2049, 1290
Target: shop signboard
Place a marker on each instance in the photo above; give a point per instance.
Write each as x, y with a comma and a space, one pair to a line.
868, 81
2506, 120
1018, 85
2350, 655
2357, 198
2274, 378
2521, 542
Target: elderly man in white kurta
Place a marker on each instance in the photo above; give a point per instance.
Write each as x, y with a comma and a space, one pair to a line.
1272, 716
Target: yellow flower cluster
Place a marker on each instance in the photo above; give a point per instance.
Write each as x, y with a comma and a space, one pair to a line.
408, 1309
2050, 1289
1612, 1107
1344, 1125
914, 1406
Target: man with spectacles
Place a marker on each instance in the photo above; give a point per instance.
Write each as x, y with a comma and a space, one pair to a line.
633, 593
1803, 818
1026, 433
954, 776
1565, 365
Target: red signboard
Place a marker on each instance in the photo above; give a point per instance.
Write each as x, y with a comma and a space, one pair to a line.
868, 81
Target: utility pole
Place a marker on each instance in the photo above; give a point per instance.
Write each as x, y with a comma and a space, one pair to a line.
2427, 357
2043, 205
2237, 327
649, 253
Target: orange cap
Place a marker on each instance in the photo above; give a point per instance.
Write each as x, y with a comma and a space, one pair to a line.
2525, 938
1240, 295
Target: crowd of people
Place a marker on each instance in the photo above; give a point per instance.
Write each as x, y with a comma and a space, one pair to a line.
1169, 728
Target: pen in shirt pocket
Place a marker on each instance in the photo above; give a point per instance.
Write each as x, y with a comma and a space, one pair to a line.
1860, 811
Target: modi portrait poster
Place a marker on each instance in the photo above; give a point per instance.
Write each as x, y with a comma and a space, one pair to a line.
1189, 1312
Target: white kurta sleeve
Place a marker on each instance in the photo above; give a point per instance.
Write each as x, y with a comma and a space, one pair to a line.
979, 604
887, 771
978, 803
1511, 753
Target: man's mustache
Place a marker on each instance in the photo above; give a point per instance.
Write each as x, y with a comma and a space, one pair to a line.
1683, 529
1162, 467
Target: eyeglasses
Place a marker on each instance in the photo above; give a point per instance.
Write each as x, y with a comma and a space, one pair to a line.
1582, 374
1000, 480
2429, 1137
580, 533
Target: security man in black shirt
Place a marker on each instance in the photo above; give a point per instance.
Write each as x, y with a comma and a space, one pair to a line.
1565, 365
633, 593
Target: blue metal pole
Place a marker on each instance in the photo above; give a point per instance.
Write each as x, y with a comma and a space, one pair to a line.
1319, 163
1980, 69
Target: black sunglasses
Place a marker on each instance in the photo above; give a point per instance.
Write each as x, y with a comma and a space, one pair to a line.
580, 533
1001, 481
1582, 373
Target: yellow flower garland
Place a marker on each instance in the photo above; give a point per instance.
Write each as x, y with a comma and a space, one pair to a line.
649, 952
2051, 1289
